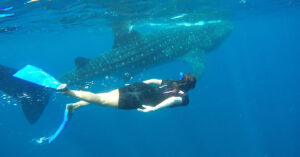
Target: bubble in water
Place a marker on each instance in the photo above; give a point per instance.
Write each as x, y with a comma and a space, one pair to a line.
89, 84
24, 95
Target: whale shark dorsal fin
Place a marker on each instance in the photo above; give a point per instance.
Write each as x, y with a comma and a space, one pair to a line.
81, 62
196, 60
124, 33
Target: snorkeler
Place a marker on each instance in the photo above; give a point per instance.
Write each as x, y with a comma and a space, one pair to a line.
142, 96
149, 95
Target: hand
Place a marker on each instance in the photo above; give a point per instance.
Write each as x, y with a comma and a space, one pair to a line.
147, 108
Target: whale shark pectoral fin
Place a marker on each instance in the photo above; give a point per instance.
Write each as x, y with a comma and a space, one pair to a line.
81, 62
124, 33
196, 60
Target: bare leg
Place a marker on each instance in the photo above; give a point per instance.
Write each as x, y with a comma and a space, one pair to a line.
88, 97
110, 99
79, 104
72, 107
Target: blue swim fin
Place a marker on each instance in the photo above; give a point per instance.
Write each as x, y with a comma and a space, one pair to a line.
50, 139
61, 127
37, 76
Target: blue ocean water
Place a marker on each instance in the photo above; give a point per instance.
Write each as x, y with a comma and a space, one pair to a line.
246, 104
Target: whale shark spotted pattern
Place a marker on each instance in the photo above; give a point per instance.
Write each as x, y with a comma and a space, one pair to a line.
133, 53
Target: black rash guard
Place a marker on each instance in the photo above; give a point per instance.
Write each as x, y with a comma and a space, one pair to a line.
137, 94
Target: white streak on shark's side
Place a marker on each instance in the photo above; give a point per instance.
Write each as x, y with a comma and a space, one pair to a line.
179, 16
184, 24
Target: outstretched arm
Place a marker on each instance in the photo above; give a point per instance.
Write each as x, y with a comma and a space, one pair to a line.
153, 81
166, 103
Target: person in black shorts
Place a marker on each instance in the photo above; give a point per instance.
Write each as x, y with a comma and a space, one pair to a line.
149, 95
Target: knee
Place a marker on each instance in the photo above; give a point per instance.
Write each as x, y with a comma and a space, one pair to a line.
101, 99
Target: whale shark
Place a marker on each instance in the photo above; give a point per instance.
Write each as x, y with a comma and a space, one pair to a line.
133, 52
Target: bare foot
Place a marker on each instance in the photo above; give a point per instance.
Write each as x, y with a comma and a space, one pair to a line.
62, 88
71, 109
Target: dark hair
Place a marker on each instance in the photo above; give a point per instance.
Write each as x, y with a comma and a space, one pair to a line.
187, 82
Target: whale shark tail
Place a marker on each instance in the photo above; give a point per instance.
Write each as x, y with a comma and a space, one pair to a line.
32, 97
